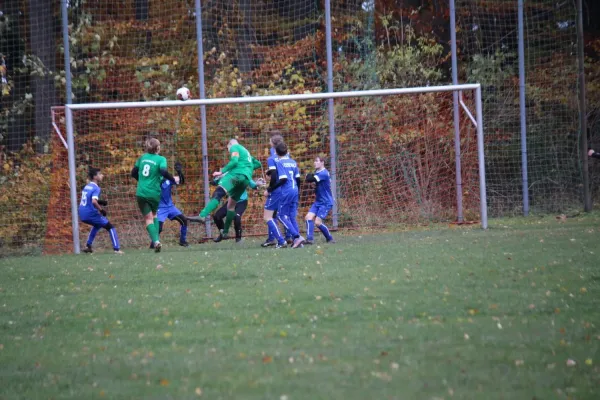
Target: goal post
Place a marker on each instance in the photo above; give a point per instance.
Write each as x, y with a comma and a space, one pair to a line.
392, 145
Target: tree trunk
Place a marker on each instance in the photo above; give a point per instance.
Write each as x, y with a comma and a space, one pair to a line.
246, 37
42, 35
13, 49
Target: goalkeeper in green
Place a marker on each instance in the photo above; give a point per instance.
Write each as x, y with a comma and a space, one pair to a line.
149, 170
234, 178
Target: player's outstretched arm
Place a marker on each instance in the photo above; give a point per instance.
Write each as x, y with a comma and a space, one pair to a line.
135, 173
256, 164
167, 175
281, 181
179, 170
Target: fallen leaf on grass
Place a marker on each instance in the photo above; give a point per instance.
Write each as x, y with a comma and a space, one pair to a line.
159, 266
518, 363
164, 382
198, 391
167, 335
571, 363
381, 375
267, 359
583, 290
589, 361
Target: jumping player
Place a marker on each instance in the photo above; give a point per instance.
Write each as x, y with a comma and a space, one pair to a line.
323, 202
149, 170
234, 178
91, 212
240, 208
166, 208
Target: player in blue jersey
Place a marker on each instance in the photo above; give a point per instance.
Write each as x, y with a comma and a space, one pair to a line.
289, 174
166, 208
273, 194
92, 213
323, 202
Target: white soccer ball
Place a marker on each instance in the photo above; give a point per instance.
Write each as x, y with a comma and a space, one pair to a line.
183, 93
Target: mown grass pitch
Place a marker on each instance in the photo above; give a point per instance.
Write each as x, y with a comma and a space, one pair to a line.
511, 313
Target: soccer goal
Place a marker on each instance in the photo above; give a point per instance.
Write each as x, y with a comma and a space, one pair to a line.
395, 158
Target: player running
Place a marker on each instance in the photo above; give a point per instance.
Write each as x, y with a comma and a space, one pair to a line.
166, 208
289, 181
323, 202
149, 170
91, 212
234, 178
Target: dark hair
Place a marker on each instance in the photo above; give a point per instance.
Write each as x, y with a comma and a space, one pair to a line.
92, 172
276, 138
322, 158
281, 149
152, 146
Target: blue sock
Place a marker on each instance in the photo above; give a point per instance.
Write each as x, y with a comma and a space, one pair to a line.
295, 224
274, 230
325, 232
183, 234
92, 235
310, 229
285, 220
114, 238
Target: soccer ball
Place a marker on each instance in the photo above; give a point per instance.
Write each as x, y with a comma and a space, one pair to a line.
183, 93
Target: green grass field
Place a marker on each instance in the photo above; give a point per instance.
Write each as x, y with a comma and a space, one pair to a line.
426, 314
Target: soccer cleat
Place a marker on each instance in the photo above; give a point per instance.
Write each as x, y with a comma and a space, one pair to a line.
289, 241
281, 246
88, 249
218, 238
184, 244
332, 241
238, 239
119, 252
308, 241
198, 219
152, 245
157, 246
298, 242
268, 243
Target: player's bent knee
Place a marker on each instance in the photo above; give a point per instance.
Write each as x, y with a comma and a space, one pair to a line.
318, 221
219, 193
108, 226
309, 216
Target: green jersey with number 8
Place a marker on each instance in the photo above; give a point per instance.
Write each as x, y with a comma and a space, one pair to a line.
149, 166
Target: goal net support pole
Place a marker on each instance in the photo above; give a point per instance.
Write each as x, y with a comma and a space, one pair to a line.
70, 108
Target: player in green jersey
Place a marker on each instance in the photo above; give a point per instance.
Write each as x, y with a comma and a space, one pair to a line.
149, 169
234, 178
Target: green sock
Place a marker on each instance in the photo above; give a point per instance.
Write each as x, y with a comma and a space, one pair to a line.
210, 207
157, 228
152, 232
230, 217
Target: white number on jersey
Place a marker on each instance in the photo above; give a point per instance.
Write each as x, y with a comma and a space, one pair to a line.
146, 170
293, 180
83, 199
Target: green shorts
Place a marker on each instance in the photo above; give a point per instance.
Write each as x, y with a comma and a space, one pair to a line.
235, 185
147, 205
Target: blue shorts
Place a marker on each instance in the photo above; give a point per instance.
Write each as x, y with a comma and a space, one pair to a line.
320, 210
97, 221
289, 205
167, 212
273, 202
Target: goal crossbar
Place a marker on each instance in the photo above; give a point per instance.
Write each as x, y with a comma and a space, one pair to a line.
478, 122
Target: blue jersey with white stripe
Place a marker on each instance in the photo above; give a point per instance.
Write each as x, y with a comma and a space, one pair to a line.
323, 190
288, 168
86, 206
166, 197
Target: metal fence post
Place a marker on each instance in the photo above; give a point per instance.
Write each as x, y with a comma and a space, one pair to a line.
523, 110
330, 114
202, 110
457, 156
